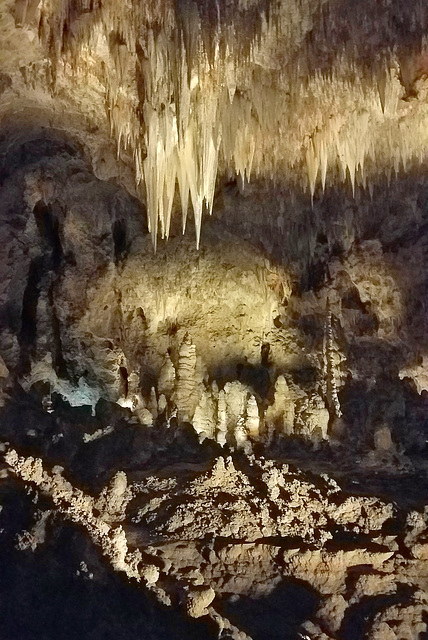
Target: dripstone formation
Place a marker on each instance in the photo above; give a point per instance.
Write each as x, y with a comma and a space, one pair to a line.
213, 320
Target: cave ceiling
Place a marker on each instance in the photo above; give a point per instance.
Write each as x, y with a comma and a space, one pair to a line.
306, 93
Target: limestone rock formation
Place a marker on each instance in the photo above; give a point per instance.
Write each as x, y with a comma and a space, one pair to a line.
186, 385
252, 423
222, 418
280, 415
204, 574
418, 373
205, 416
213, 319
166, 378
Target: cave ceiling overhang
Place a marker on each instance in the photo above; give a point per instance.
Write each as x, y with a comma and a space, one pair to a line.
307, 93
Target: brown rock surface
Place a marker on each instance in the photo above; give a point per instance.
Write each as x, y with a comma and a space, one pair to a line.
224, 438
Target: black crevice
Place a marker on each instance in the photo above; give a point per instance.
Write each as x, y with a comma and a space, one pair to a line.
28, 332
59, 363
119, 240
48, 227
124, 378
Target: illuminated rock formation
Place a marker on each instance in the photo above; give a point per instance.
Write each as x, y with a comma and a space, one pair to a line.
186, 386
280, 415
242, 420
288, 90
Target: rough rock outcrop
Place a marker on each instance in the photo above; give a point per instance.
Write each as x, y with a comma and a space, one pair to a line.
179, 551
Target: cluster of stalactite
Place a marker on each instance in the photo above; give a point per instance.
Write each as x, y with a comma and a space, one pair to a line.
279, 89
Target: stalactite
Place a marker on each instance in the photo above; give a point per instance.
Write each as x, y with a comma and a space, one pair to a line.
189, 97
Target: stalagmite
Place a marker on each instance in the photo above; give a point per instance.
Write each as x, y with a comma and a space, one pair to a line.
113, 499
314, 419
236, 402
221, 419
240, 434
204, 419
162, 404
133, 383
382, 439
330, 367
280, 415
153, 403
186, 387
144, 415
133, 399
166, 379
252, 422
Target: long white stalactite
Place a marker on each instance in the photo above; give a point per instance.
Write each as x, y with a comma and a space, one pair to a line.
241, 91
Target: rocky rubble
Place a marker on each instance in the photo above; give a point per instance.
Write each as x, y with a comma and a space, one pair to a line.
212, 537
